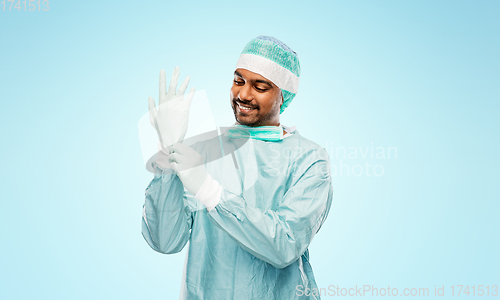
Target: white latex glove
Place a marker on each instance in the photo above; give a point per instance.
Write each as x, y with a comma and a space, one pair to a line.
162, 158
171, 117
189, 166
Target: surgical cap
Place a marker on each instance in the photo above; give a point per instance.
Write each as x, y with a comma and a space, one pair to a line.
272, 59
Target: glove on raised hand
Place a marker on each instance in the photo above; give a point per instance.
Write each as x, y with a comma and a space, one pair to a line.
170, 118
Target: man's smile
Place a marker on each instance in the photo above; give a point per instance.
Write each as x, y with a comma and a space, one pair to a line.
241, 108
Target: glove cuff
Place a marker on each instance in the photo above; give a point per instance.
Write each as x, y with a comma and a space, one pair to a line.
209, 193
161, 161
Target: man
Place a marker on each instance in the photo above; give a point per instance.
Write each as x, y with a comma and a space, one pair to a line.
249, 201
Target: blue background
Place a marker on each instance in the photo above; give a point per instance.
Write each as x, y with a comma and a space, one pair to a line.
421, 76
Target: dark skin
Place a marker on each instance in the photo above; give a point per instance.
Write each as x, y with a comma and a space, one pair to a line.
264, 98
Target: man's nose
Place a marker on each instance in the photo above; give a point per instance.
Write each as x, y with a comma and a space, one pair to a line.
245, 93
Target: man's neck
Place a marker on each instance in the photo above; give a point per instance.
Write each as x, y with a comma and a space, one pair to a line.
284, 132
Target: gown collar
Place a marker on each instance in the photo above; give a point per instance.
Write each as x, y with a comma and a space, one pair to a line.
263, 133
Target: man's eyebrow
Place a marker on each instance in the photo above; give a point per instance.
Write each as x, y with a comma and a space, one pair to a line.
257, 80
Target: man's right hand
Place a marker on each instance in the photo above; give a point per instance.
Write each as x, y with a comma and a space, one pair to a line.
171, 117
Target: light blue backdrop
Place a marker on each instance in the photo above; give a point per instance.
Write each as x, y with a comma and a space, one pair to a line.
417, 78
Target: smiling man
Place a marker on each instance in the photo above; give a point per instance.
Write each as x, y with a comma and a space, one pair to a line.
250, 201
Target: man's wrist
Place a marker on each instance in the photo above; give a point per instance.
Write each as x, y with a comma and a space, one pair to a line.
209, 193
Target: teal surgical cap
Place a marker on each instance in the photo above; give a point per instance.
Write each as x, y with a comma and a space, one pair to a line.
272, 59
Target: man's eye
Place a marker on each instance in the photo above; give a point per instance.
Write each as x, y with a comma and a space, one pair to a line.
260, 90
238, 82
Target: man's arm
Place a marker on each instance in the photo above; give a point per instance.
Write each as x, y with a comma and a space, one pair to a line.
281, 236
166, 220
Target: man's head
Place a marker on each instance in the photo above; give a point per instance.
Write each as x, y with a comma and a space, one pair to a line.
265, 82
256, 101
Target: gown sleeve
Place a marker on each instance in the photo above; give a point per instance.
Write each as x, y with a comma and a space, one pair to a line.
166, 218
280, 236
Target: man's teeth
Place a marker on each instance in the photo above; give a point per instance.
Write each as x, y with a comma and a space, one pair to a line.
244, 108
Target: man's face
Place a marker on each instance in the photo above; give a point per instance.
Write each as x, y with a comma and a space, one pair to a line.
255, 100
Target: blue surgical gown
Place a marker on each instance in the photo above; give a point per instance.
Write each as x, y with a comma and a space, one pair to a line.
254, 243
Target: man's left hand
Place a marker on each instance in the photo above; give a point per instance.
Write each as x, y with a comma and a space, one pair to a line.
189, 166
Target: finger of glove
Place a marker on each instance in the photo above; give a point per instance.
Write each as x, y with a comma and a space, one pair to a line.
173, 83
163, 86
179, 161
189, 157
189, 97
182, 149
183, 160
183, 87
166, 149
174, 158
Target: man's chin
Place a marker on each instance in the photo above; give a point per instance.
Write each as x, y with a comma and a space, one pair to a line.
245, 121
